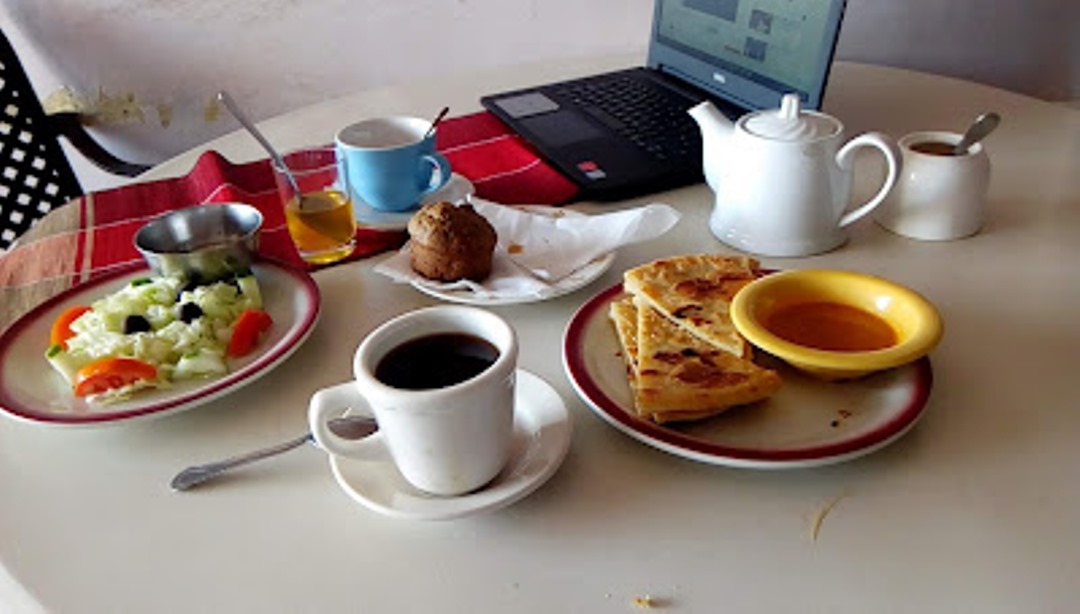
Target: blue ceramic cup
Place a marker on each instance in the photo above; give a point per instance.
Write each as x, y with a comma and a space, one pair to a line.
388, 163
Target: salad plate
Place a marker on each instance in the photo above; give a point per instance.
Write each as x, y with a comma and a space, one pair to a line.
808, 423
541, 441
32, 391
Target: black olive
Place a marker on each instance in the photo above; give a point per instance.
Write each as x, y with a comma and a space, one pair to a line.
189, 312
136, 323
193, 280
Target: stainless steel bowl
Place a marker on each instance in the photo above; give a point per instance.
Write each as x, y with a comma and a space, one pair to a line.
202, 242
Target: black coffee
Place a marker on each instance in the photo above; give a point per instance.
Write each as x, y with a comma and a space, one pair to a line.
435, 361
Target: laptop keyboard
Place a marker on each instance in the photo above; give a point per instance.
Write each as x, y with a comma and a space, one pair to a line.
644, 113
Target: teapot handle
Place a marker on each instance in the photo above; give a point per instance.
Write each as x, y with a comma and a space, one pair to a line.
846, 158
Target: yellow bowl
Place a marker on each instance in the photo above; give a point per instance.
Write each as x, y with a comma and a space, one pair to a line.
915, 324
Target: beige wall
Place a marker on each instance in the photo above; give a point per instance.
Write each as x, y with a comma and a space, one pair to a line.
1029, 46
156, 63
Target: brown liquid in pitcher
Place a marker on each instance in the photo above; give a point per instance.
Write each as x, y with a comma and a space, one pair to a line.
934, 148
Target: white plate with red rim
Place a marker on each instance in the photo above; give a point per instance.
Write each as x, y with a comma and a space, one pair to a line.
541, 440
31, 391
808, 423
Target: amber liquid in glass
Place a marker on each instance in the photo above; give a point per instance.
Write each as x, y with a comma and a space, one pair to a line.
322, 226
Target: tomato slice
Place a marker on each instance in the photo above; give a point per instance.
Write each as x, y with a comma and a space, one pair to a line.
250, 324
108, 373
61, 328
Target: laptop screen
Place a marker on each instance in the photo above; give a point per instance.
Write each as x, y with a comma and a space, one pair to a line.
750, 52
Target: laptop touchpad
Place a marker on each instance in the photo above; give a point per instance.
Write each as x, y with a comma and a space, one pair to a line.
561, 128
524, 105
543, 119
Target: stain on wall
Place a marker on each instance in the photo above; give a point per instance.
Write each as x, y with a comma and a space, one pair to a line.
123, 108
103, 109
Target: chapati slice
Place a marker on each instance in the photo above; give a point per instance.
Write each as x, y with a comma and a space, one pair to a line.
695, 292
680, 377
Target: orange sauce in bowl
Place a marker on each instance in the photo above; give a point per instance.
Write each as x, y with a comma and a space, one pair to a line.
831, 326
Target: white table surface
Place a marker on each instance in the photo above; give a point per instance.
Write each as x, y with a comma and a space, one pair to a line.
976, 509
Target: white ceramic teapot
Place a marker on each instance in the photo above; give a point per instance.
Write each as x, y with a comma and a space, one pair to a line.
782, 179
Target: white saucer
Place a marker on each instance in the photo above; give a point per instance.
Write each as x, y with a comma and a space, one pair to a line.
457, 189
541, 440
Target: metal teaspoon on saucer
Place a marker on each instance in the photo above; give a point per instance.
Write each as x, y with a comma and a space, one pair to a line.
348, 427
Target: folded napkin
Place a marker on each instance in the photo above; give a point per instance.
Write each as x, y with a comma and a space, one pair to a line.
540, 246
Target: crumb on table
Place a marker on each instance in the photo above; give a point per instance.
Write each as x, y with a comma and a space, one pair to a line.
819, 518
644, 601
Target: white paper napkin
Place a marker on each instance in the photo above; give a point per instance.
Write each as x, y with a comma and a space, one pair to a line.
540, 246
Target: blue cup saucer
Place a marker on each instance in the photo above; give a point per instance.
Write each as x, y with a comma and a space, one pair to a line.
455, 190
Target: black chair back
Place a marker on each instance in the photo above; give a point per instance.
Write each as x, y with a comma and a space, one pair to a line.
35, 174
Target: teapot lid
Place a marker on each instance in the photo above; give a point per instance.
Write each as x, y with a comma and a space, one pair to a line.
790, 122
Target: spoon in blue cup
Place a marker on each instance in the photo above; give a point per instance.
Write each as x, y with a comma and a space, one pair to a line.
435, 122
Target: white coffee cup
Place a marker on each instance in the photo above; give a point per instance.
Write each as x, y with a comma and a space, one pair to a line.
445, 440
939, 197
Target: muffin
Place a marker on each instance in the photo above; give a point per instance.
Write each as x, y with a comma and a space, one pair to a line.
450, 242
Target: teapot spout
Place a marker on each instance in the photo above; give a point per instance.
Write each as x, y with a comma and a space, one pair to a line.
715, 129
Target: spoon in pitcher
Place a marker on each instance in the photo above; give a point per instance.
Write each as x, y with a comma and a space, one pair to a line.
347, 427
979, 130
233, 108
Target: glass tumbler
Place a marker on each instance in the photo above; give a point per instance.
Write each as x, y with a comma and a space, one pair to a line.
320, 218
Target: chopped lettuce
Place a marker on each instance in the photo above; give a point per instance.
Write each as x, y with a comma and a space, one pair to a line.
180, 350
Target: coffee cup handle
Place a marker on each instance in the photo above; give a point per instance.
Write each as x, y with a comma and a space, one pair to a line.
330, 403
440, 168
846, 160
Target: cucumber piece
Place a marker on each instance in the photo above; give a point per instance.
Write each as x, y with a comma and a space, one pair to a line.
249, 288
65, 363
201, 363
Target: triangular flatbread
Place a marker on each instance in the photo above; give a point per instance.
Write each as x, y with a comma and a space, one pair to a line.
623, 315
674, 376
695, 291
